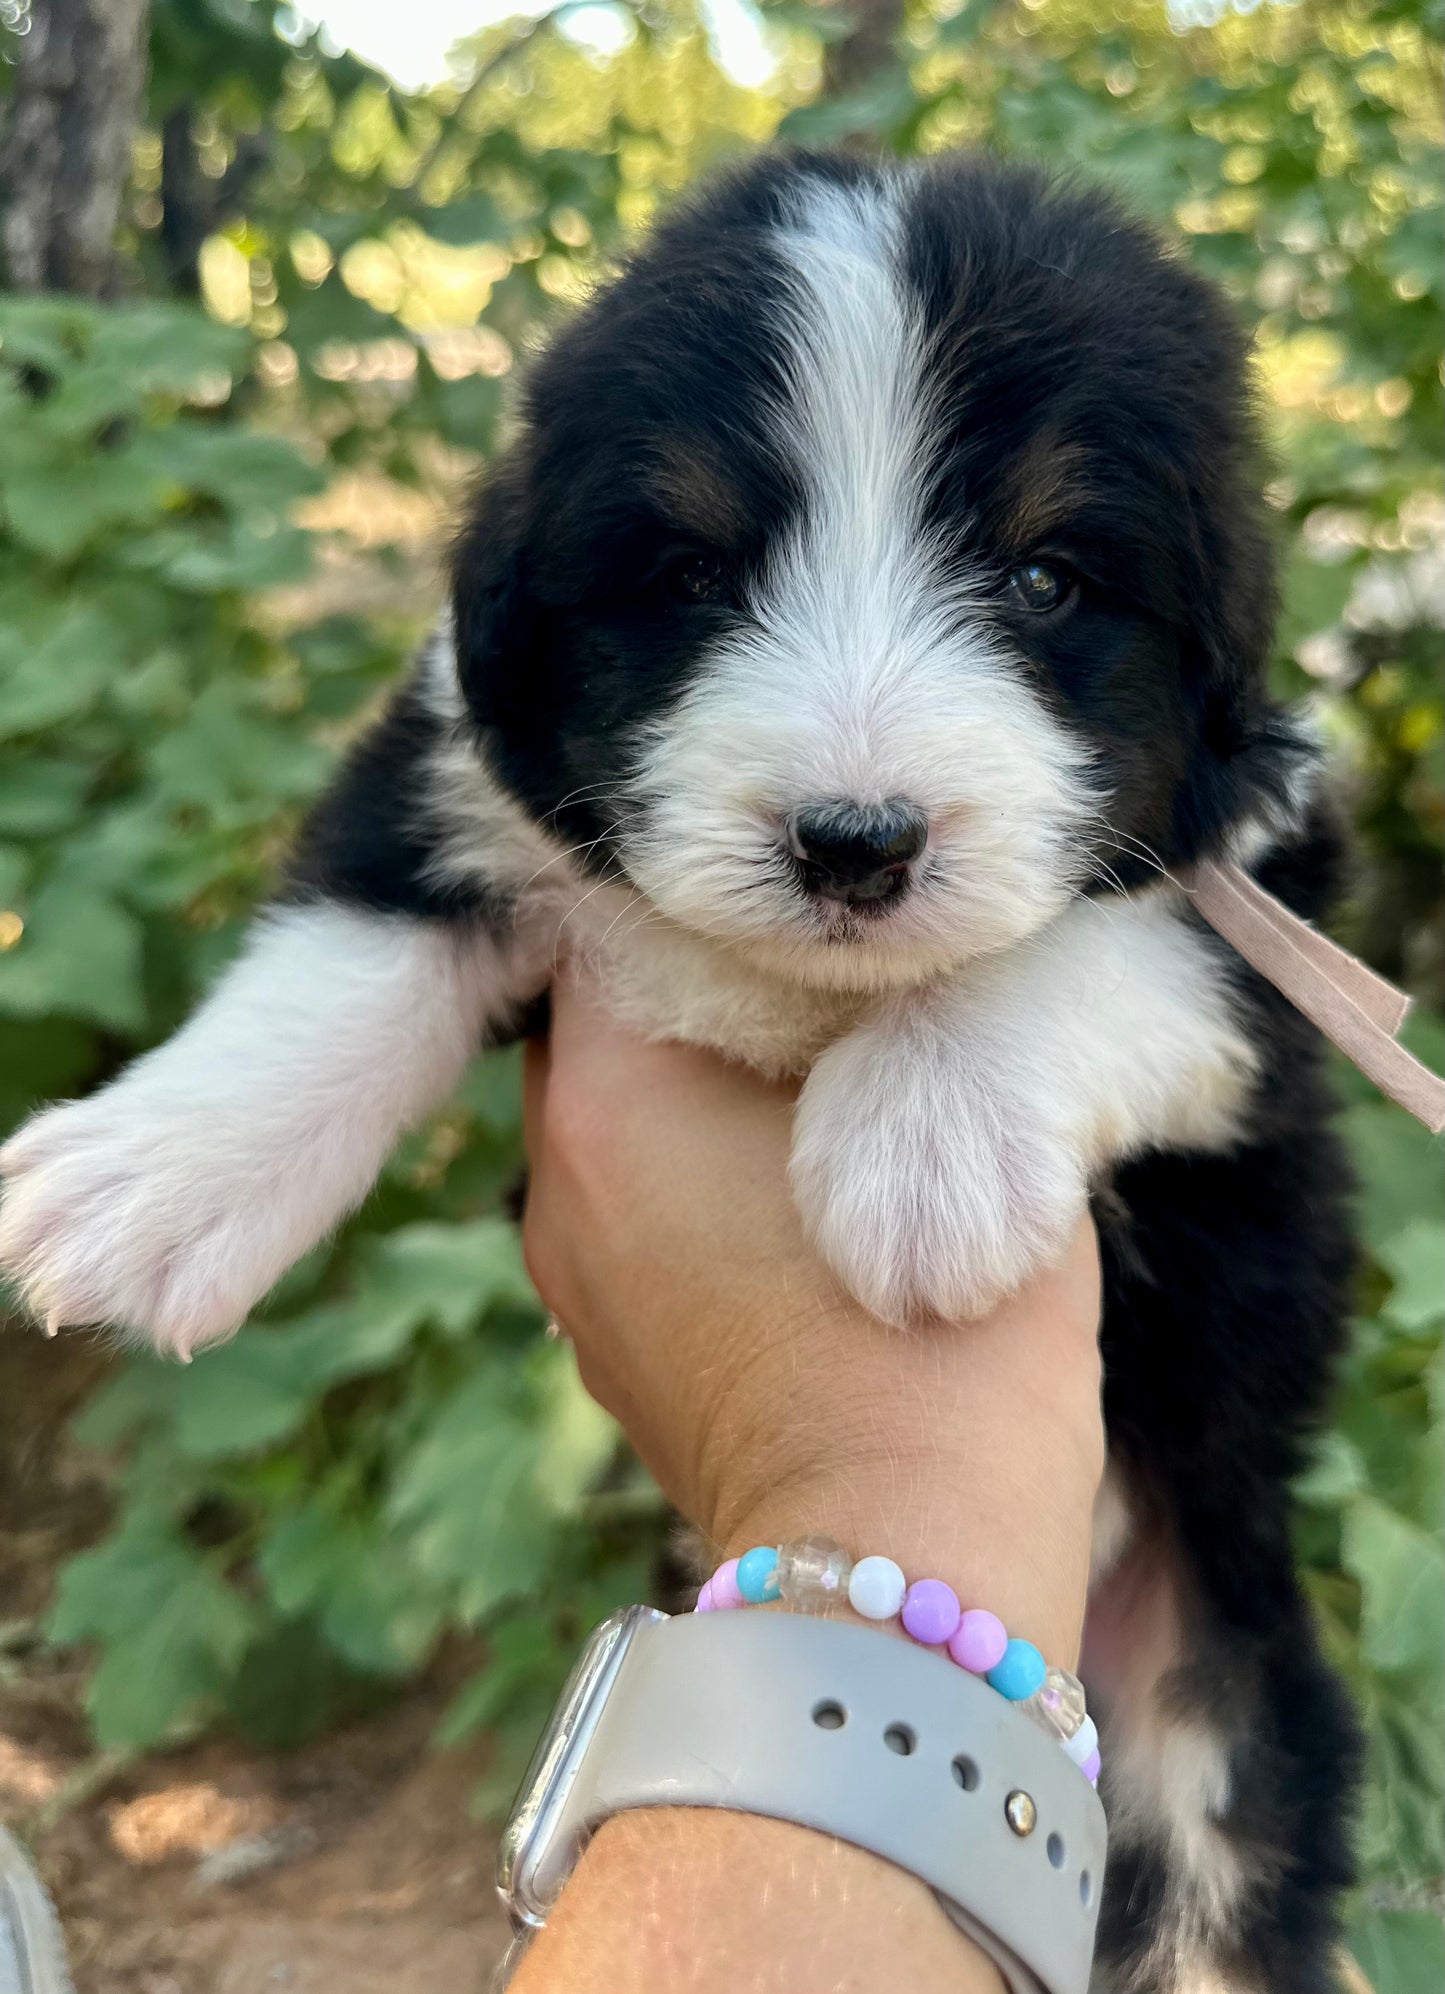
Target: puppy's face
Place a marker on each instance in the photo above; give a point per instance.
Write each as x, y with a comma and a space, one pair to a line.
879, 567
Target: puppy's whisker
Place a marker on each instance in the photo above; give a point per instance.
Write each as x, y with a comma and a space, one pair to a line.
572, 911
1099, 869
598, 791
557, 858
1135, 848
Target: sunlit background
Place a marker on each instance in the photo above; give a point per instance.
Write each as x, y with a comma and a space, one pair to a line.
419, 45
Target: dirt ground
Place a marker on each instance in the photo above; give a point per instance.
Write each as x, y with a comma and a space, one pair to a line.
368, 1875
350, 1866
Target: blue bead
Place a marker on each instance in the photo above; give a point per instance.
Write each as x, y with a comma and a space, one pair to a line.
758, 1574
1020, 1672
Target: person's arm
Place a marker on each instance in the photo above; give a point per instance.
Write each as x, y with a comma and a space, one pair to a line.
770, 1406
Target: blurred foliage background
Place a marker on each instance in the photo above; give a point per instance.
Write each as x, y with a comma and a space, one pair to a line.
224, 483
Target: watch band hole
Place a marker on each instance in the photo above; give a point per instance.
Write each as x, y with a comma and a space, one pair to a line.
1055, 1846
1086, 1888
898, 1738
966, 1773
829, 1716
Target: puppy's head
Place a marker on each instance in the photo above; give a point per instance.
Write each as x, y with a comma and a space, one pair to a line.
879, 564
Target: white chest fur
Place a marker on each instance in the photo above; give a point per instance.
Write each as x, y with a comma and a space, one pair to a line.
664, 982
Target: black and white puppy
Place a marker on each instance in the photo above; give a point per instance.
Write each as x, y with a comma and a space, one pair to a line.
871, 610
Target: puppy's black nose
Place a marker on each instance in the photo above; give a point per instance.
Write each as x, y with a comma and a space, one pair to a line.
855, 852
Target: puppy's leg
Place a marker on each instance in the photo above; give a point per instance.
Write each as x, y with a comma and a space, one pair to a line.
1228, 1758
170, 1201
1229, 1750
943, 1149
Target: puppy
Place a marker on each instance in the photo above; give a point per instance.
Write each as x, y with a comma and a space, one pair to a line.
870, 614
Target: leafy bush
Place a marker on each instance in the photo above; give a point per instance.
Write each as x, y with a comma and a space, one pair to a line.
399, 1453
147, 730
391, 1452
1370, 1537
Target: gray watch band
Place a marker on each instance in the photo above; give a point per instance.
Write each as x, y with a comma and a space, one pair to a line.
742, 1710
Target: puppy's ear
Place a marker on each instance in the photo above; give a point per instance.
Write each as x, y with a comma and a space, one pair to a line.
489, 604
1253, 759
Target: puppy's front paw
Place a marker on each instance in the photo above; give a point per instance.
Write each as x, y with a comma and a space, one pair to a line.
931, 1185
119, 1210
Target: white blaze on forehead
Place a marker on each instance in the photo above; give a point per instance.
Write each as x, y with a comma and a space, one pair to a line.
858, 594
857, 425
867, 664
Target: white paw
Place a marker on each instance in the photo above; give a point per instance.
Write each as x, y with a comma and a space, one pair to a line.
929, 1180
132, 1210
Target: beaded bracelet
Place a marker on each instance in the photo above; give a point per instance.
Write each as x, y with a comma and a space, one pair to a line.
816, 1574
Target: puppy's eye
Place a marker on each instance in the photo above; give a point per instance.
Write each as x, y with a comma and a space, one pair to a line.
695, 578
1038, 587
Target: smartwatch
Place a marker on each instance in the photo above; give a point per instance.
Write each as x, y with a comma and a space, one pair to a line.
876, 1742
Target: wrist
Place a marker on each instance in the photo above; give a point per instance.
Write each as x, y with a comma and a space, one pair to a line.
675, 1898
1019, 1547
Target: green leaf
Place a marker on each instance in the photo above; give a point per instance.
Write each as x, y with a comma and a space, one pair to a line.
1403, 1827
1399, 1163
41, 795
244, 471
57, 676
376, 1609
470, 1498
225, 751
41, 1059
258, 1389
46, 334
62, 506
288, 1686
1400, 1952
237, 554
444, 1274
79, 956
523, 1656
1401, 1571
173, 1631
1336, 1472
1415, 1261
1314, 597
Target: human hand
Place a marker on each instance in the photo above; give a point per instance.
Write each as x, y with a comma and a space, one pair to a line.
766, 1401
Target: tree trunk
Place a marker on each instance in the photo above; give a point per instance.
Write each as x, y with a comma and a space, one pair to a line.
66, 150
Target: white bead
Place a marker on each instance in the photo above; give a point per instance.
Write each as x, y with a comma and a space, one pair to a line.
1082, 1744
876, 1587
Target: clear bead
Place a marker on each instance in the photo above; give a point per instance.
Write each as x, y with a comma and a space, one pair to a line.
1057, 1706
813, 1574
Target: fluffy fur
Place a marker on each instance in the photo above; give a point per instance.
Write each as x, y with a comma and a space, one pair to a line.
860, 491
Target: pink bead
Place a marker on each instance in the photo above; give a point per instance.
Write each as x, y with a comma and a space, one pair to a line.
978, 1642
724, 1583
704, 1599
1090, 1767
931, 1611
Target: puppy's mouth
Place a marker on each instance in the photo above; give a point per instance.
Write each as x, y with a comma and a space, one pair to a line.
865, 900
839, 922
